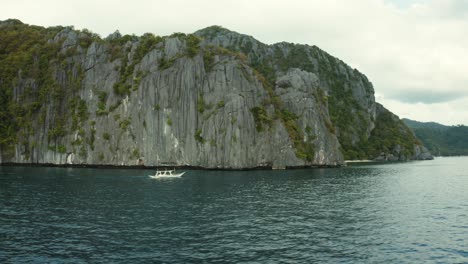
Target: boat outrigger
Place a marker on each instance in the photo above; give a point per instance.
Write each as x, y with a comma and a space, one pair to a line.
166, 174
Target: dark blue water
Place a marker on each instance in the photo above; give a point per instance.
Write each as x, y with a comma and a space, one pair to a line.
413, 212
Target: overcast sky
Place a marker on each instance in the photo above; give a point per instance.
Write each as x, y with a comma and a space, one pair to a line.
415, 52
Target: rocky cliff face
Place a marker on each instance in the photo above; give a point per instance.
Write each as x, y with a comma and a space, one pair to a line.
214, 99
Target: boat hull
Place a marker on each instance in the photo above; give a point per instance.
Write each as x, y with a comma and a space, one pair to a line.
176, 175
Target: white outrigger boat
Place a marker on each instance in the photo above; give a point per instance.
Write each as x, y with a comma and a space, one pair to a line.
166, 174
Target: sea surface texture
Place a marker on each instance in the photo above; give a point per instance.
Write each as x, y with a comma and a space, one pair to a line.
415, 212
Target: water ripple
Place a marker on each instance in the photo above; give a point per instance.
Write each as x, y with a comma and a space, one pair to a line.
407, 212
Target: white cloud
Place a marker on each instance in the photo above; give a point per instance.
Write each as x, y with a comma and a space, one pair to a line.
448, 114
415, 52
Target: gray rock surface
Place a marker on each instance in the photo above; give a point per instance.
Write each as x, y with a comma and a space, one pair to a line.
422, 153
187, 110
335, 77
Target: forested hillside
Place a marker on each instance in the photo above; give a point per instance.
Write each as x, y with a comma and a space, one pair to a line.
439, 139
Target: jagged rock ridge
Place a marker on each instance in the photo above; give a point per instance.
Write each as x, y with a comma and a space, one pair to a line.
214, 99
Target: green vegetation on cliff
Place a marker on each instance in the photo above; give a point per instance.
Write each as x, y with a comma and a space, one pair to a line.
31, 91
25, 53
389, 134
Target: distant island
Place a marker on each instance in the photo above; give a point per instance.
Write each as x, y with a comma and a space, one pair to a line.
441, 140
211, 99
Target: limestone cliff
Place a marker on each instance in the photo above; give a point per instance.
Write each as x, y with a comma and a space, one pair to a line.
214, 99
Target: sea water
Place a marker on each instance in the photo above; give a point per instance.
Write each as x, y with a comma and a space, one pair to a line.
414, 212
